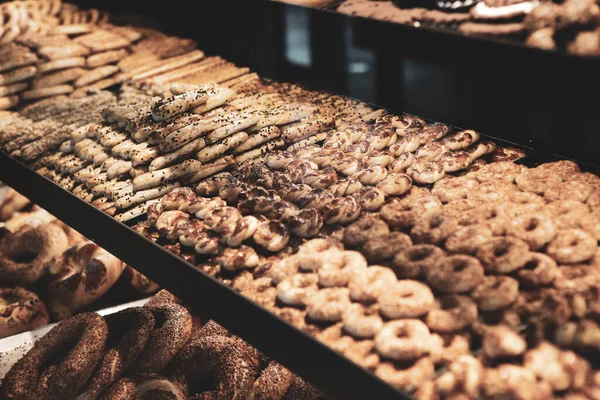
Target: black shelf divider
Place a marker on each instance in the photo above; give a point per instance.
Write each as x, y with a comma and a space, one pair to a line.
331, 372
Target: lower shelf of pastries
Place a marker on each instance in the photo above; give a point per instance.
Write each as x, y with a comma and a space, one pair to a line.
155, 350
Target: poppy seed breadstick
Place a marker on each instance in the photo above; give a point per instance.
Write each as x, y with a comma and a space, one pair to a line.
46, 92
8, 102
144, 195
159, 177
136, 211
259, 151
68, 50
219, 97
162, 66
118, 169
167, 108
245, 121
207, 170
307, 127
216, 150
258, 138
319, 137
144, 156
167, 159
188, 133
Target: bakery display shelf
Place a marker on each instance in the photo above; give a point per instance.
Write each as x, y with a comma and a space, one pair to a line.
504, 88
331, 372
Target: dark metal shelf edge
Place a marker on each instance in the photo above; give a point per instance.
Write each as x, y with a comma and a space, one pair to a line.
327, 370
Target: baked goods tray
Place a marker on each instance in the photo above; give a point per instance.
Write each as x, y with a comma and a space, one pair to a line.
501, 87
14, 347
329, 371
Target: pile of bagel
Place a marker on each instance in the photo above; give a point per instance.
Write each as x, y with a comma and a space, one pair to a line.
49, 272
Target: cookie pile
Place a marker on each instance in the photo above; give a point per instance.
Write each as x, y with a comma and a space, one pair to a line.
159, 350
570, 25
39, 254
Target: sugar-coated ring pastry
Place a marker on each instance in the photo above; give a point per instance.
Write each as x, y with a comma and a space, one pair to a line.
328, 304
468, 239
367, 285
464, 375
406, 377
20, 311
229, 362
452, 313
278, 269
455, 274
367, 227
362, 321
539, 270
179, 199
333, 274
415, 260
25, 254
385, 247
495, 292
404, 213
501, 341
453, 188
433, 228
406, 299
296, 289
371, 198
172, 330
313, 253
509, 380
572, 246
81, 276
128, 333
502, 255
72, 349
12, 202
403, 340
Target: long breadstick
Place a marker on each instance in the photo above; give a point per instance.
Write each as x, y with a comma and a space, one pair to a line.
207, 170
220, 148
259, 151
136, 211
167, 108
258, 138
57, 78
162, 176
144, 195
107, 57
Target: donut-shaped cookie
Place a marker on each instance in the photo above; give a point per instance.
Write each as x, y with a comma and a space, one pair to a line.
362, 230
467, 240
406, 299
81, 276
403, 340
367, 285
72, 349
409, 377
362, 321
328, 304
452, 314
455, 274
503, 255
495, 292
572, 246
20, 311
384, 248
24, 255
536, 230
128, 333
539, 270
415, 260
172, 330
433, 228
